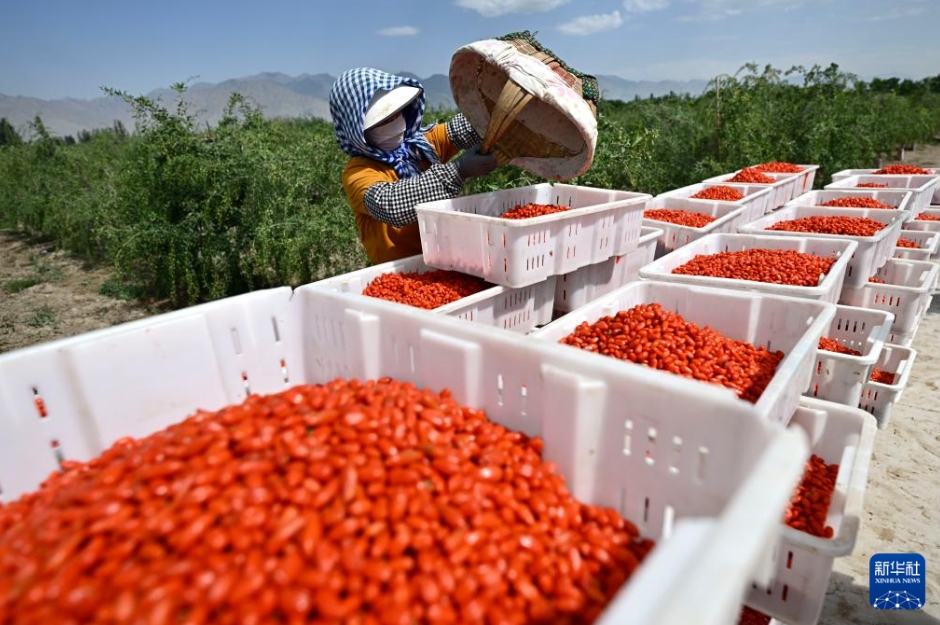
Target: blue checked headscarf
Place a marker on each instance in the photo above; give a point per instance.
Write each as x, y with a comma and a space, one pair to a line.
349, 99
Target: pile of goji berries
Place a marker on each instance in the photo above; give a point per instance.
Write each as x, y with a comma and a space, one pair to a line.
759, 265
923, 217
778, 167
354, 502
649, 335
876, 280
908, 243
906, 170
825, 224
720, 192
429, 290
882, 377
750, 616
527, 211
871, 185
855, 201
679, 217
810, 504
752, 176
832, 345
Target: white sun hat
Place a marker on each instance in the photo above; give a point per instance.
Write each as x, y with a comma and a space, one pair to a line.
386, 104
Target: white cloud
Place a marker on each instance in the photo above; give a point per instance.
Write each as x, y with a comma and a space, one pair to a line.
588, 24
495, 8
399, 31
897, 13
644, 6
719, 9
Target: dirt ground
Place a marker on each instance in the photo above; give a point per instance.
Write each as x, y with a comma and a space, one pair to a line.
46, 294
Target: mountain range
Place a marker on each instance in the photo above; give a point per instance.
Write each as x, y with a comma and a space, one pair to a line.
278, 95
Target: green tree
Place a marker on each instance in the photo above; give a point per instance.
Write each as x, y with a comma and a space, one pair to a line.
8, 134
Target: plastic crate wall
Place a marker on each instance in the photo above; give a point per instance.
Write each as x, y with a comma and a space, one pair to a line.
588, 283
466, 234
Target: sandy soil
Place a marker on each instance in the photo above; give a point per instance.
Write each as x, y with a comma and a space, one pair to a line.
902, 502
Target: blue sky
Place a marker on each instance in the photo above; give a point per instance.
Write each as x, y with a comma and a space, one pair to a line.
69, 48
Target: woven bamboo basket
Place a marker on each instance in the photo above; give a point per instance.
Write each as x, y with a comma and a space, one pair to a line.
531, 109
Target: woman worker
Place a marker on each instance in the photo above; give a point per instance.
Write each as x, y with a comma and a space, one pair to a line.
395, 163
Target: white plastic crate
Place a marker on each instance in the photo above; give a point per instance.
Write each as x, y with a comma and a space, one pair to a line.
803, 563
790, 325
727, 219
926, 225
871, 253
691, 466
900, 200
519, 309
466, 234
845, 173
839, 377
827, 290
906, 292
756, 199
781, 191
588, 283
879, 399
921, 187
805, 178
926, 240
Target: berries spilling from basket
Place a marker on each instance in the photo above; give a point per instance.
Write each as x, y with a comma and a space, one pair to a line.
679, 217
428, 290
750, 616
810, 504
354, 502
908, 243
832, 345
751, 175
719, 192
528, 211
760, 265
649, 335
882, 377
778, 167
855, 201
871, 185
825, 224
905, 170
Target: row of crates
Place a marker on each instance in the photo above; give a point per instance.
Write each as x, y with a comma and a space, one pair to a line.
704, 473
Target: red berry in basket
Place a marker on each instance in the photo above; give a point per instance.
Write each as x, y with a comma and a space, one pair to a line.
810, 503
777, 167
649, 335
908, 243
876, 280
719, 192
923, 217
752, 176
825, 224
348, 502
428, 290
750, 616
832, 345
679, 217
908, 170
759, 265
882, 377
855, 201
871, 185
528, 211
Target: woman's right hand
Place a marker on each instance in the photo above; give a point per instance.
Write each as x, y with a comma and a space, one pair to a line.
473, 164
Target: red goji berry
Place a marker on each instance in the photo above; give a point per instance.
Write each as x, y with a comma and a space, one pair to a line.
832, 345
882, 377
428, 290
908, 243
778, 167
760, 265
809, 505
907, 170
838, 225
751, 175
871, 185
720, 192
855, 201
528, 211
679, 217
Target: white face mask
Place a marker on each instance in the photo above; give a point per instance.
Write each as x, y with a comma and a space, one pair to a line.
388, 136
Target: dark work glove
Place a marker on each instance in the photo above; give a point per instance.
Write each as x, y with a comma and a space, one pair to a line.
472, 164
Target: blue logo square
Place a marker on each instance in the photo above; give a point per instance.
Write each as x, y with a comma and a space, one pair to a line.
897, 581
